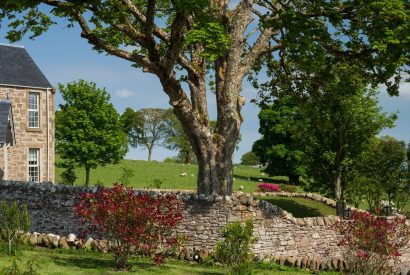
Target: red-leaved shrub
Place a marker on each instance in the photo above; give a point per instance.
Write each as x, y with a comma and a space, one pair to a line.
268, 187
132, 223
372, 243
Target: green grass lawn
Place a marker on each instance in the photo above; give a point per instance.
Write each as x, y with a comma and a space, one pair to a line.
145, 173
74, 262
302, 207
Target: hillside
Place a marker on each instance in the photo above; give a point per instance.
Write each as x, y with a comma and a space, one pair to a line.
146, 173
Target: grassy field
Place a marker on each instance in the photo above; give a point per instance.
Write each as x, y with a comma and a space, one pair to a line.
146, 173
55, 262
302, 207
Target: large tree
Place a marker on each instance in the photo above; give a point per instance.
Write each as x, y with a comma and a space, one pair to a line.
222, 41
341, 117
88, 131
145, 127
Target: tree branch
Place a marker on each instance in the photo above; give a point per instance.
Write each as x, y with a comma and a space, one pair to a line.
99, 43
158, 32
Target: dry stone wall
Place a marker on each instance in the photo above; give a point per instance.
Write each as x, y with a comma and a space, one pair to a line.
279, 235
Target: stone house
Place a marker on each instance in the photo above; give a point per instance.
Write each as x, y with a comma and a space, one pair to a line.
31, 99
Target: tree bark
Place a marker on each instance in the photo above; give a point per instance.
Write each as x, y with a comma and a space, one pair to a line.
149, 153
293, 179
87, 176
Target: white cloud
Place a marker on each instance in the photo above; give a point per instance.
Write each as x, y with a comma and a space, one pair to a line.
124, 93
405, 90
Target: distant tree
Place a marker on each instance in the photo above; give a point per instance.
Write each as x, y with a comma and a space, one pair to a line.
177, 140
146, 127
279, 147
381, 169
250, 158
88, 131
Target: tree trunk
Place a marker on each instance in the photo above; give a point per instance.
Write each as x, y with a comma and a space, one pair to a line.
340, 205
149, 153
187, 157
215, 173
293, 179
87, 176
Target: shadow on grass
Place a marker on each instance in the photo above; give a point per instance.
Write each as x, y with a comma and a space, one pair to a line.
264, 179
108, 265
298, 210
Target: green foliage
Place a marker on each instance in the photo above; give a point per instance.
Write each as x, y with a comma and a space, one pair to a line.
31, 268
13, 269
127, 175
68, 176
88, 131
146, 127
250, 158
12, 222
380, 174
279, 148
234, 249
176, 139
157, 184
212, 36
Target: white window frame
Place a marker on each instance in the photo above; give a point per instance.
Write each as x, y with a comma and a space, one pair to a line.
37, 110
33, 167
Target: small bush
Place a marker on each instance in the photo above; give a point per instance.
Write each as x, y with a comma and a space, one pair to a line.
126, 176
373, 243
268, 187
68, 176
234, 249
139, 223
288, 188
12, 222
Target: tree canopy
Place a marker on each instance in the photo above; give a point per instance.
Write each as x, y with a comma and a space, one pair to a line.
218, 43
88, 131
145, 127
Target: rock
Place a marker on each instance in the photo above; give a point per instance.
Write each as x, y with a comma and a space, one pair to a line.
245, 199
304, 262
103, 246
298, 262
88, 244
71, 238
33, 239
62, 242
54, 240
203, 254
47, 241
281, 260
241, 187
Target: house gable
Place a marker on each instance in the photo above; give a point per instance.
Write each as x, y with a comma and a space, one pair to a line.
17, 68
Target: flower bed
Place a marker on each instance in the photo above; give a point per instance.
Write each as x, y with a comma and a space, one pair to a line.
267, 187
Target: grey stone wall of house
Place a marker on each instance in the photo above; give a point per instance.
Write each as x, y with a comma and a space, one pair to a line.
278, 233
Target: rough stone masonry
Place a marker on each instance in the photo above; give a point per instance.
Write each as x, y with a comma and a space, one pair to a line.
278, 234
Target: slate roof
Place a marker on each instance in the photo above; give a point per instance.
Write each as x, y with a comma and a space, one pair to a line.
6, 125
17, 68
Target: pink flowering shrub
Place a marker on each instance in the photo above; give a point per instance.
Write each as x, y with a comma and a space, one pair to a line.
372, 243
268, 187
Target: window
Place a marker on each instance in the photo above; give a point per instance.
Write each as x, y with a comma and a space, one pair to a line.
33, 110
33, 164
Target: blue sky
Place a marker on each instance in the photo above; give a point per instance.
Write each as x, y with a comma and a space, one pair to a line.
64, 56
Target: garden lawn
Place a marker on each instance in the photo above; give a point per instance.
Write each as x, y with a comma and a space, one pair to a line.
147, 172
77, 262
301, 207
